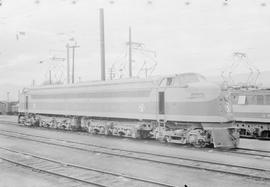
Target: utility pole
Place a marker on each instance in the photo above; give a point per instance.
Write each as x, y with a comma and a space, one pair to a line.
19, 93
73, 61
130, 53
68, 71
50, 77
73, 58
8, 96
8, 104
111, 72
102, 44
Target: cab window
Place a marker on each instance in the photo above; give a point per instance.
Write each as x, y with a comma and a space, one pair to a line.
251, 100
259, 99
242, 100
234, 99
167, 82
267, 99
184, 79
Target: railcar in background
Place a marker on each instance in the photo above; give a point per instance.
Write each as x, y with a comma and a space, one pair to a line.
9, 108
184, 108
251, 110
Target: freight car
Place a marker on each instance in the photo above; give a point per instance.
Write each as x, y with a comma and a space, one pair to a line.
183, 108
251, 110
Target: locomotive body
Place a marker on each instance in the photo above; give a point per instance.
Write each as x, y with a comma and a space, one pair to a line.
184, 109
251, 110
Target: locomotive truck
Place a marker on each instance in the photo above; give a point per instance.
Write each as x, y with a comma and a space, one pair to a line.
183, 108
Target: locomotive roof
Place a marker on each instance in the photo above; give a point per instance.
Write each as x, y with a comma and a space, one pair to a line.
252, 91
98, 82
154, 79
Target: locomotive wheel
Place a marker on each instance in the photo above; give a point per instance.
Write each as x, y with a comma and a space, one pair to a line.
162, 139
166, 139
121, 134
199, 144
95, 131
265, 135
143, 134
36, 123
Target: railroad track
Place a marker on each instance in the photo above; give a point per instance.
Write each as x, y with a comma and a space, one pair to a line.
177, 161
241, 151
252, 152
81, 174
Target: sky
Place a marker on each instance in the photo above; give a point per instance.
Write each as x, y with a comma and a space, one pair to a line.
177, 36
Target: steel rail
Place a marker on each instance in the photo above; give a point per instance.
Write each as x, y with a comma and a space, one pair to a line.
151, 159
132, 151
78, 167
242, 151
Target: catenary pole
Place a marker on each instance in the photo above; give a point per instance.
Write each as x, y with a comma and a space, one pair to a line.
68, 71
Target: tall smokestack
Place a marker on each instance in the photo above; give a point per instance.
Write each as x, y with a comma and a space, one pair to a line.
102, 44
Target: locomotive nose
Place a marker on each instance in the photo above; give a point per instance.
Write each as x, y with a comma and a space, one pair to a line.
214, 100
209, 90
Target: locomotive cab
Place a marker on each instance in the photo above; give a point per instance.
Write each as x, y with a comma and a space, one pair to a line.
182, 80
189, 98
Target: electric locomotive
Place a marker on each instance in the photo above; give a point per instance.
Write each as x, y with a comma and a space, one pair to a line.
251, 109
184, 108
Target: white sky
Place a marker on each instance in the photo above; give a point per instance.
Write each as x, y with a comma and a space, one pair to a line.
199, 37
